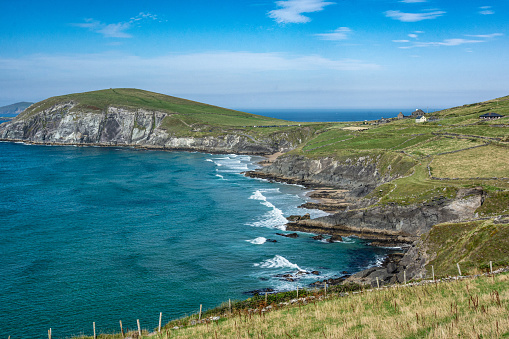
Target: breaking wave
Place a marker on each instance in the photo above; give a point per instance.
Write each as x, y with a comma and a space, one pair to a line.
278, 262
258, 241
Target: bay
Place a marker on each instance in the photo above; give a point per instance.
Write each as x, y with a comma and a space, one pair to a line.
91, 234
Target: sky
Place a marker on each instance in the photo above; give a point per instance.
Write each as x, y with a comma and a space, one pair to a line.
263, 54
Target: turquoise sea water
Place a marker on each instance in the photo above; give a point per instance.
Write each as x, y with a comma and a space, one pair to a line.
92, 234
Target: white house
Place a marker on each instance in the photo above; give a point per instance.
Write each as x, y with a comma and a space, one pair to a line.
421, 118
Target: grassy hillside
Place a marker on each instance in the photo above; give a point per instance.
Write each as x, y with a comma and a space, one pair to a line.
472, 308
471, 244
433, 158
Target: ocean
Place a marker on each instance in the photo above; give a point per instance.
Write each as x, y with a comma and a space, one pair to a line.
323, 115
92, 234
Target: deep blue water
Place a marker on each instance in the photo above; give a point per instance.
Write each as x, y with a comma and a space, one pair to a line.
92, 234
318, 115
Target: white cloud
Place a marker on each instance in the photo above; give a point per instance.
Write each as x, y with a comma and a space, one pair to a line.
413, 17
291, 10
117, 30
415, 36
486, 36
400, 41
339, 34
486, 10
446, 42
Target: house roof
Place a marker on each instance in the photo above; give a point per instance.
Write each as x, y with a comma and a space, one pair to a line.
491, 115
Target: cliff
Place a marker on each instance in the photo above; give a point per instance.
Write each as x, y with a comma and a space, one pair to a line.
74, 120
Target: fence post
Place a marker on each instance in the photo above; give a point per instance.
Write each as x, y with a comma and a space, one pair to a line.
199, 317
491, 267
297, 292
139, 327
93, 325
404, 276
265, 298
49, 333
377, 283
433, 272
325, 288
122, 329
160, 318
459, 269
230, 305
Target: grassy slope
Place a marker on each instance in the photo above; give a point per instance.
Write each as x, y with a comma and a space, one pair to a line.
409, 148
473, 308
471, 244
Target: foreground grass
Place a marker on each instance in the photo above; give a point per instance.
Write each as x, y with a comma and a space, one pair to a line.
471, 308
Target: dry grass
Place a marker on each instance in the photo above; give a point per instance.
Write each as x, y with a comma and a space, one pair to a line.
484, 162
477, 308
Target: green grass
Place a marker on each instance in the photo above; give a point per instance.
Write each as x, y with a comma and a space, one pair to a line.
470, 308
482, 162
471, 244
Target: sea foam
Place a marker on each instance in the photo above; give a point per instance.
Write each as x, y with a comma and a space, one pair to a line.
258, 241
278, 262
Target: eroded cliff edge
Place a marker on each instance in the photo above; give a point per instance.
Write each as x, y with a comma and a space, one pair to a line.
386, 224
66, 124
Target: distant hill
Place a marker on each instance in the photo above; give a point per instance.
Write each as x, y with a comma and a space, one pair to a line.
14, 109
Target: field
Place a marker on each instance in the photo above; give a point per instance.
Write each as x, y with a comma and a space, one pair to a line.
488, 161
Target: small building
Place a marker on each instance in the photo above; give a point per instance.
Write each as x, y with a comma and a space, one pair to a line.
491, 116
401, 116
417, 113
421, 118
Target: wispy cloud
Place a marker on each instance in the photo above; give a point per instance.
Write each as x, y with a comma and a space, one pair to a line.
339, 34
413, 1
291, 11
486, 36
413, 17
486, 10
446, 42
115, 30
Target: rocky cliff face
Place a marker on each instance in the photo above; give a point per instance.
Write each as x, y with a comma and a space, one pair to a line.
61, 124
393, 225
359, 175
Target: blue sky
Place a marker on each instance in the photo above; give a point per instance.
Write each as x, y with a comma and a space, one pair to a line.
260, 53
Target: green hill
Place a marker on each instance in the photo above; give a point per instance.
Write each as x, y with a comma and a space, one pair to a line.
187, 110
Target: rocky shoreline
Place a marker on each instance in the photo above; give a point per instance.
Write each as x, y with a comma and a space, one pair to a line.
353, 215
